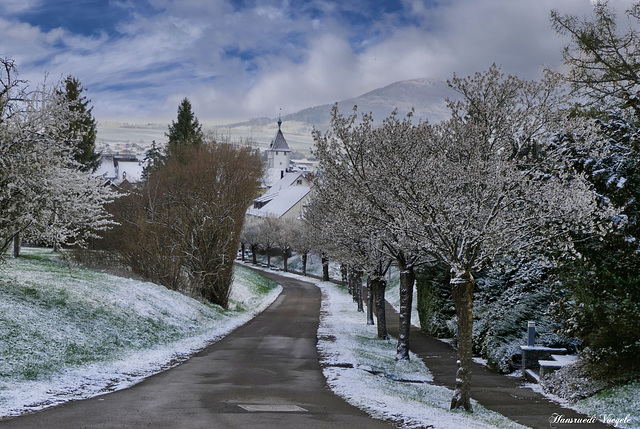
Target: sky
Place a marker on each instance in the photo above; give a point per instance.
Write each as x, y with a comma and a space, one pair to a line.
242, 59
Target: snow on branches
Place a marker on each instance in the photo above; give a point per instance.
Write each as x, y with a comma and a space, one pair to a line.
42, 192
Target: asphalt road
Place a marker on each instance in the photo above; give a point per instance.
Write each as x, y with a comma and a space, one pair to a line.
263, 375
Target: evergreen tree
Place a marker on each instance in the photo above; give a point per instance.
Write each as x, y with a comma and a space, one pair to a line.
186, 132
82, 130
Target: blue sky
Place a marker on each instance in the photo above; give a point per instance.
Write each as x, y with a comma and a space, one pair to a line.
240, 59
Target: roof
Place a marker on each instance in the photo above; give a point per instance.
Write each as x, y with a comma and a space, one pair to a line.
279, 143
281, 202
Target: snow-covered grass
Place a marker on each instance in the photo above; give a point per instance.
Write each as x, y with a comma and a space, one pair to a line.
622, 403
70, 333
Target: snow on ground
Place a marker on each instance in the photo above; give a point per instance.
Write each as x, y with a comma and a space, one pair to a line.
363, 370
71, 333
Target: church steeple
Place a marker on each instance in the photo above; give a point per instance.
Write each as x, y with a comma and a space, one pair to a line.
279, 154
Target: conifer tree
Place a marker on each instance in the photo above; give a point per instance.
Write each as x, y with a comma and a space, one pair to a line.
186, 132
82, 130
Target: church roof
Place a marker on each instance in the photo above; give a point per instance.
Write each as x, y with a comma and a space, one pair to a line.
279, 143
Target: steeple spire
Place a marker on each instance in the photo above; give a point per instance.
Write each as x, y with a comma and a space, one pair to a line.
279, 119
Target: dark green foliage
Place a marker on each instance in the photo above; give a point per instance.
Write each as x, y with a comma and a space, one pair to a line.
82, 130
601, 290
184, 134
435, 305
186, 131
506, 299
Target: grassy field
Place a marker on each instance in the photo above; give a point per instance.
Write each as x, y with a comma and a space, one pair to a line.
73, 331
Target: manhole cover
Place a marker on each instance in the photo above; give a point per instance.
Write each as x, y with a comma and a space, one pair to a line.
268, 408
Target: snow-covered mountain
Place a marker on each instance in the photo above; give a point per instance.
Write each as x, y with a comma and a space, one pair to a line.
426, 96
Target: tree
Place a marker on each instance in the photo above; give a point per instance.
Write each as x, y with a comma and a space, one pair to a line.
251, 236
603, 62
601, 289
183, 227
354, 158
82, 131
186, 131
43, 191
269, 229
486, 183
602, 292
489, 184
301, 241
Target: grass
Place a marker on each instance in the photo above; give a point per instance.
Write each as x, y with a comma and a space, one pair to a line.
56, 318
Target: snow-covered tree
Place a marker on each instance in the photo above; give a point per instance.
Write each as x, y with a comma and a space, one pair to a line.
489, 184
42, 190
355, 158
301, 241
251, 235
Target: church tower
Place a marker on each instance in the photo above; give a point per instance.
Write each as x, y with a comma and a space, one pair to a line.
279, 154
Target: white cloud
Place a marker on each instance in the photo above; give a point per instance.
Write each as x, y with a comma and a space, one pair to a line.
239, 63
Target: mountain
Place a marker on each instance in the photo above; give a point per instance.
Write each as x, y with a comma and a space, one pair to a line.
426, 96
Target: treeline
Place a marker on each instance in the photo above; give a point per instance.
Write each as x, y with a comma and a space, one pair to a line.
523, 198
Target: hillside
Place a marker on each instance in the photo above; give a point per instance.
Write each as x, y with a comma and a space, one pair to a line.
71, 333
426, 96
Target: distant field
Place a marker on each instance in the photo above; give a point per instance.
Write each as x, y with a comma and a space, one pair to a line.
114, 136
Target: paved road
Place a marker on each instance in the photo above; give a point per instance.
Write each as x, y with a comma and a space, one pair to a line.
271, 362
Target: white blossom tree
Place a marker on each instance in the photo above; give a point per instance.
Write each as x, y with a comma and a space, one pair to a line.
42, 191
488, 185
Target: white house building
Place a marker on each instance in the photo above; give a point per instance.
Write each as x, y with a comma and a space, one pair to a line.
116, 168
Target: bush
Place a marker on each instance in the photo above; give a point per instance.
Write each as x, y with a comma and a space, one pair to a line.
435, 305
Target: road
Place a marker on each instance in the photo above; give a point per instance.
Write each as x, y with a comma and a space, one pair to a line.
263, 375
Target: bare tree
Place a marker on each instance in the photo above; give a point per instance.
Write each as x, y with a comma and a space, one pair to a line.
603, 60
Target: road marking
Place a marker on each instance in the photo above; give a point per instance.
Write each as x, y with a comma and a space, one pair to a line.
272, 408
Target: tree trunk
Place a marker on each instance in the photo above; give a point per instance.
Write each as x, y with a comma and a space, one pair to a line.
325, 268
268, 259
407, 280
351, 281
345, 277
357, 284
253, 254
370, 303
285, 261
17, 245
379, 284
462, 284
304, 264
242, 248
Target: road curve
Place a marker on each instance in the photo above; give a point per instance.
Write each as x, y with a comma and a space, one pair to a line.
265, 374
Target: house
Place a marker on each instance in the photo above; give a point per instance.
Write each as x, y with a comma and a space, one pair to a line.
285, 199
284, 191
116, 168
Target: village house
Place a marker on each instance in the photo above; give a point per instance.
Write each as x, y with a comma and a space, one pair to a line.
118, 168
285, 189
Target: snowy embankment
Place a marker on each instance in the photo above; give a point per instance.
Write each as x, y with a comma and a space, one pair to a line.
71, 333
363, 370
